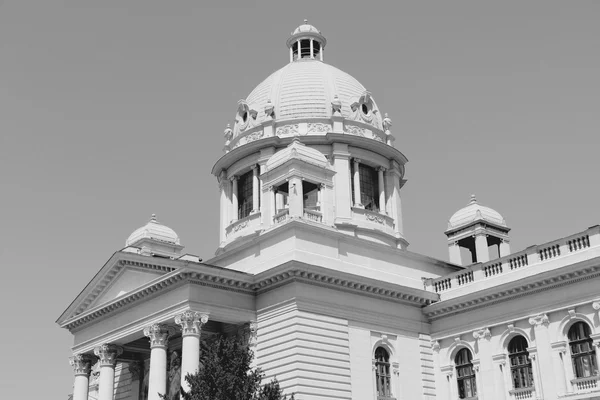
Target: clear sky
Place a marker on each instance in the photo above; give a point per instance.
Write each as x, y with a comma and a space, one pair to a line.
113, 110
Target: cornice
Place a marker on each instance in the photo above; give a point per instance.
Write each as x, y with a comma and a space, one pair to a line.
535, 284
248, 149
256, 285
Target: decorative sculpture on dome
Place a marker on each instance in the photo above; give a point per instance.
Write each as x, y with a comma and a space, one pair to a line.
336, 105
269, 110
228, 134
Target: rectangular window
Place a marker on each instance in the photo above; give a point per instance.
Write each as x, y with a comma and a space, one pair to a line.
369, 187
245, 205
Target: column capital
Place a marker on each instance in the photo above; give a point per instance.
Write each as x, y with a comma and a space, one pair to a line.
381, 169
254, 167
191, 322
356, 160
81, 363
233, 178
158, 335
107, 354
539, 320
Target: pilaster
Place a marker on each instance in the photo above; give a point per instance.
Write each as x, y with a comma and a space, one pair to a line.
540, 324
485, 381
341, 182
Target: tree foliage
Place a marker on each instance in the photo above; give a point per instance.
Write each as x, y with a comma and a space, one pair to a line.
225, 374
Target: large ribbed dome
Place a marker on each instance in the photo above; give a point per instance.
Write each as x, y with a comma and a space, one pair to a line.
305, 89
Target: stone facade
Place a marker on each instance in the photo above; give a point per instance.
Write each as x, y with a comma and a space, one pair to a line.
313, 269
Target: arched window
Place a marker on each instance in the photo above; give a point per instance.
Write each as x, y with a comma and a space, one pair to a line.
520, 364
582, 350
245, 205
465, 374
382, 373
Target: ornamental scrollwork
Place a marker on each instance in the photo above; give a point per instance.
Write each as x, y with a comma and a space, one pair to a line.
287, 130
318, 128
240, 226
435, 345
539, 320
483, 333
254, 136
374, 218
355, 130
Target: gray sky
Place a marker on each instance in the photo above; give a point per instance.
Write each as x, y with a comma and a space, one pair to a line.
113, 110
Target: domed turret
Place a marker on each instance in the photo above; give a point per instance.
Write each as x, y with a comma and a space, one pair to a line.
155, 238
476, 228
310, 146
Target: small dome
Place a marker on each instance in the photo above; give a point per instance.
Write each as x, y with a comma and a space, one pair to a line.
153, 230
475, 212
306, 27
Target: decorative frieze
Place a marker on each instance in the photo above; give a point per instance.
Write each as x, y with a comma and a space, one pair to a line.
191, 322
158, 335
107, 354
317, 127
81, 363
355, 130
288, 130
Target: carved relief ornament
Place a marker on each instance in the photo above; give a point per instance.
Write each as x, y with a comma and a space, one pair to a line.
539, 320
191, 322
482, 333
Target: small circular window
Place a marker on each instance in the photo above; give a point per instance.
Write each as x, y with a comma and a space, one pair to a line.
365, 108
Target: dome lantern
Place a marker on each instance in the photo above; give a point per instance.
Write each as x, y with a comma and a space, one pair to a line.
477, 228
306, 42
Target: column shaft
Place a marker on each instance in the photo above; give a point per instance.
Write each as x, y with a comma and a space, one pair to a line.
481, 248
312, 54
255, 187
381, 184
191, 323
107, 354
81, 387
234, 199
357, 200
159, 340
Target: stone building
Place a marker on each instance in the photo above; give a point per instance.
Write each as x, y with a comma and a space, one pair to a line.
314, 269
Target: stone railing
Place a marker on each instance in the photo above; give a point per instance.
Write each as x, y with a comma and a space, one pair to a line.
527, 258
585, 384
312, 215
243, 226
523, 393
281, 216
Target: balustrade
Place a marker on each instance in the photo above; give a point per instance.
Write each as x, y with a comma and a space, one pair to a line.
312, 215
523, 393
585, 384
492, 269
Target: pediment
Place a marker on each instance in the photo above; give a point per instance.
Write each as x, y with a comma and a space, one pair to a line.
122, 274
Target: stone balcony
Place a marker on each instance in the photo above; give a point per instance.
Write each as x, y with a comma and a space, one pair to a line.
531, 261
243, 227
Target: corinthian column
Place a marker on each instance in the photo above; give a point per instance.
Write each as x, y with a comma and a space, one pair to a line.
81, 364
159, 340
107, 354
191, 323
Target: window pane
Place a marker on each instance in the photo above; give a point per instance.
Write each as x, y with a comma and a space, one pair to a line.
245, 195
369, 187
